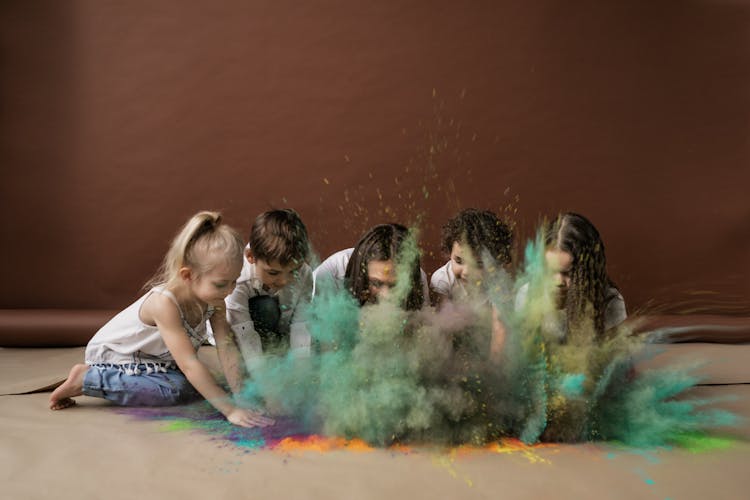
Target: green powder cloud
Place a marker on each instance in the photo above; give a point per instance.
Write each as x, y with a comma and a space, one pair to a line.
387, 375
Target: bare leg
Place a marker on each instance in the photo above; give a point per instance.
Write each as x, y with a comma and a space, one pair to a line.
73, 386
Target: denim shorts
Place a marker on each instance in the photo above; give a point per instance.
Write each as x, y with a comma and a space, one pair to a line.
139, 385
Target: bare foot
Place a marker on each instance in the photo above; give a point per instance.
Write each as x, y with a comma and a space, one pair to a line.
73, 386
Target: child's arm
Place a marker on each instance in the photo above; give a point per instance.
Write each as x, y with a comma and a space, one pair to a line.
229, 355
241, 323
426, 292
497, 340
437, 299
167, 319
299, 335
242, 327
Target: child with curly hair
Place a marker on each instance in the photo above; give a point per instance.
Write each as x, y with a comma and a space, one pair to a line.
578, 264
467, 238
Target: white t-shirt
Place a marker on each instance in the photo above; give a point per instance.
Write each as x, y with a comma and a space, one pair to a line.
292, 298
334, 267
443, 281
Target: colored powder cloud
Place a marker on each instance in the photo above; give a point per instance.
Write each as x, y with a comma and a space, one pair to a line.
386, 375
381, 376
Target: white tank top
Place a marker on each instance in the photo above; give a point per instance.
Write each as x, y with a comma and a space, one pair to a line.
126, 341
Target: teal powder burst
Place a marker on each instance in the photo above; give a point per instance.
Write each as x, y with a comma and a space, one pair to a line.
387, 375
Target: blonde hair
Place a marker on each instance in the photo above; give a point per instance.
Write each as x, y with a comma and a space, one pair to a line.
196, 246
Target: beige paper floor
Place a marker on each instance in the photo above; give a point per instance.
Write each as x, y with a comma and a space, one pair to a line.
91, 451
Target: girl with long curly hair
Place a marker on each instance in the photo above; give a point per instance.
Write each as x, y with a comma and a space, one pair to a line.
575, 254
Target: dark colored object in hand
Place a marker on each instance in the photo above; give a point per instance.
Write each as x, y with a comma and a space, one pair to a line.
265, 312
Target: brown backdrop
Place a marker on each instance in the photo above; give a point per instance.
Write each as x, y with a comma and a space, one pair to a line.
120, 119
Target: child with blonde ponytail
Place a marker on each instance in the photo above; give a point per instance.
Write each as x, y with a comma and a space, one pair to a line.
146, 355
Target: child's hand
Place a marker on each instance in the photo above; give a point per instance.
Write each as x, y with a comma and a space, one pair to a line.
249, 418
